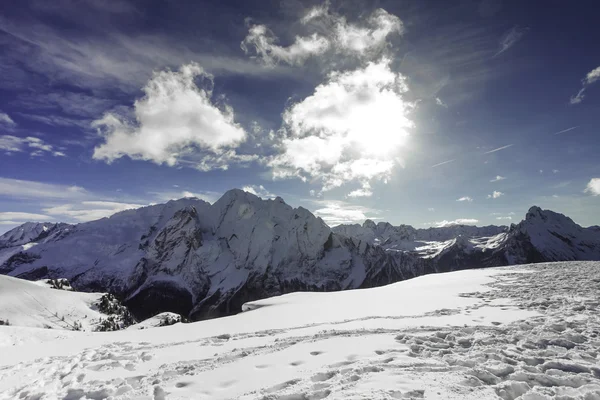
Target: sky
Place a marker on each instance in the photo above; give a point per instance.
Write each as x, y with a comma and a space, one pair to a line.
423, 113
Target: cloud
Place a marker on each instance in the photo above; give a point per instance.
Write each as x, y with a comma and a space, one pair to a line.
495, 195
440, 103
504, 218
21, 189
351, 128
163, 197
5, 119
332, 34
89, 210
36, 146
498, 178
510, 38
17, 218
442, 163
593, 187
337, 213
555, 171
260, 191
590, 78
566, 130
465, 198
360, 193
431, 209
459, 221
499, 148
174, 118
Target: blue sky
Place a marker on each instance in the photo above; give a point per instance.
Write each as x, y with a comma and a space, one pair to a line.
424, 113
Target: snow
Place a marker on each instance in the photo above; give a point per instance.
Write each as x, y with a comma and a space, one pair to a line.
34, 304
531, 331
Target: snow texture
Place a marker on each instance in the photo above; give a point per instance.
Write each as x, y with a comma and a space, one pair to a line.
530, 332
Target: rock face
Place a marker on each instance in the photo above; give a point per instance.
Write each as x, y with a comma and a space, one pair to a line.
202, 261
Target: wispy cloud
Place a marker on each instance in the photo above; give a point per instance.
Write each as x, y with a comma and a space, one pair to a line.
458, 221
590, 78
593, 187
21, 189
36, 146
442, 163
17, 218
338, 212
504, 218
260, 191
498, 178
567, 130
465, 198
510, 38
5, 119
499, 148
88, 210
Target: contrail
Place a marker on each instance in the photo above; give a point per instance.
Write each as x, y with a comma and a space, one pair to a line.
499, 148
567, 130
442, 163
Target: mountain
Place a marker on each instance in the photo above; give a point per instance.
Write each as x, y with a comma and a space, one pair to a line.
542, 236
201, 260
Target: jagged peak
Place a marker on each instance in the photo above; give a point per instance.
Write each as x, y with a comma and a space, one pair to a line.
369, 224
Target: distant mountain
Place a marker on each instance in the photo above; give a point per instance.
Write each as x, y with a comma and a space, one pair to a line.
543, 236
201, 260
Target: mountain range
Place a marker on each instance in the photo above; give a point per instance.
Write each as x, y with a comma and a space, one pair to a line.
205, 260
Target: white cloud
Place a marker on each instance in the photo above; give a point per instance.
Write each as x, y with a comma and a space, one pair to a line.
555, 171
590, 78
495, 195
431, 209
498, 178
174, 118
331, 34
360, 193
337, 212
593, 187
504, 218
459, 221
36, 146
260, 191
20, 189
15, 218
465, 198
88, 210
350, 128
6, 119
510, 38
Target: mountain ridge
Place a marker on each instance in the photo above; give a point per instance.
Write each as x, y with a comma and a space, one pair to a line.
205, 260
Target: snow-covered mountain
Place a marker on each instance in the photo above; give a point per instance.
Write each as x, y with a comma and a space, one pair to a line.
201, 260
543, 235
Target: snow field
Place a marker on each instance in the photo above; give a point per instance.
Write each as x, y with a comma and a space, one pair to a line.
527, 333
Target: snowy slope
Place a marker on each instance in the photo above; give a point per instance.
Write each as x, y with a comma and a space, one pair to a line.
34, 304
528, 332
